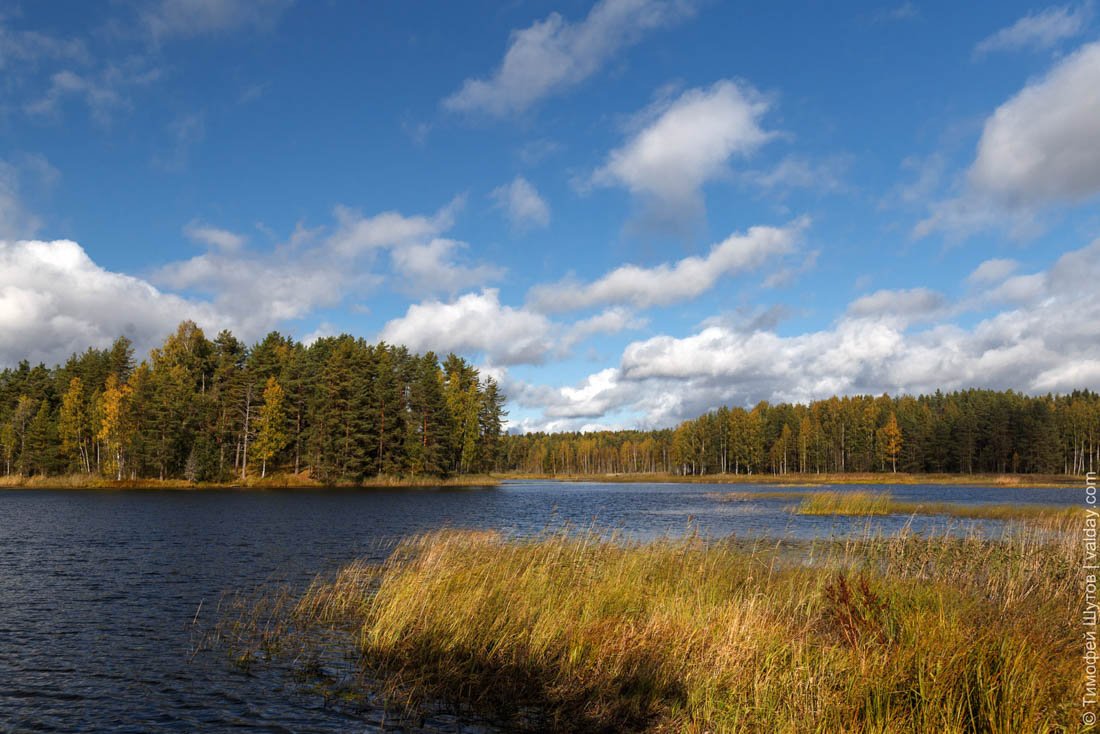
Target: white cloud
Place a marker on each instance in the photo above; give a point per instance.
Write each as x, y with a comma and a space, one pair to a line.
553, 54
261, 290
431, 268
221, 239
1046, 339
1040, 147
522, 203
993, 270
1044, 143
54, 301
1038, 30
474, 323
907, 305
356, 234
166, 19
688, 144
609, 321
671, 282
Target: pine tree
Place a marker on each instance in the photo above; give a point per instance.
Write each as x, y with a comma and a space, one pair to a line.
41, 444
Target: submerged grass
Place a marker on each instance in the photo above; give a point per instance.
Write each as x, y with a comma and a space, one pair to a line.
587, 632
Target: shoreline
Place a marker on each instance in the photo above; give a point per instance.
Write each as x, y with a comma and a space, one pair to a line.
278, 481
1033, 481
303, 481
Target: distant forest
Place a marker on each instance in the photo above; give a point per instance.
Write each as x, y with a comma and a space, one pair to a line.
971, 431
340, 409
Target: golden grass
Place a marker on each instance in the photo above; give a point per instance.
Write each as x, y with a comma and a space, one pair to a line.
882, 503
589, 633
846, 503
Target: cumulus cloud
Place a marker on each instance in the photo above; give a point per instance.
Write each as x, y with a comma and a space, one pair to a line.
433, 267
315, 269
522, 203
1038, 30
357, 234
1040, 147
1046, 339
553, 54
687, 143
671, 282
263, 289
475, 323
54, 300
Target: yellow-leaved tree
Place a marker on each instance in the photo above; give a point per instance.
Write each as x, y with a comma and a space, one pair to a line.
271, 435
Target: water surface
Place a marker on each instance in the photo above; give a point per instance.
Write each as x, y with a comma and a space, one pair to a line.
100, 588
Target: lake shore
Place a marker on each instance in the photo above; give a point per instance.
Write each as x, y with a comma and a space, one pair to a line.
274, 481
817, 480
304, 481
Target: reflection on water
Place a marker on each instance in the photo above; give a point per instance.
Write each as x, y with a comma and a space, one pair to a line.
100, 587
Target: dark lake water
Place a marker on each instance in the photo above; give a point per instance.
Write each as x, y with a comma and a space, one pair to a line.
100, 588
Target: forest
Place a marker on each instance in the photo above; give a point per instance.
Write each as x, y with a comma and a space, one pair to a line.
964, 432
339, 409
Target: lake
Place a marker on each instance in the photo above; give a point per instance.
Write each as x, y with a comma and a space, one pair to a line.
100, 588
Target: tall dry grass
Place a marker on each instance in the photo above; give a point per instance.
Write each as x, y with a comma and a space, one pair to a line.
588, 633
882, 503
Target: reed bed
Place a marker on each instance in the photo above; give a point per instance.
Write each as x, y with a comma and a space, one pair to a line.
586, 632
846, 503
883, 503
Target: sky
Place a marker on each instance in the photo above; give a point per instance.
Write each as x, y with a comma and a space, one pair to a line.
628, 212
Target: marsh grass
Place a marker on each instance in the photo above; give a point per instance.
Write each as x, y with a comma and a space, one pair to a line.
586, 632
882, 503
846, 503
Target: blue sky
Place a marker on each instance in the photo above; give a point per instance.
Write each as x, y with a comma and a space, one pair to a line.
628, 212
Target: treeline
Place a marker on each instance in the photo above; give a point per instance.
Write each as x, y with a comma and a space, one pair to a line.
970, 431
340, 409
